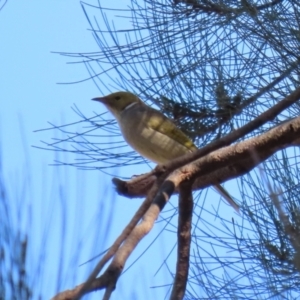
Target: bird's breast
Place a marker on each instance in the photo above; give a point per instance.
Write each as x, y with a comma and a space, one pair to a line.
148, 142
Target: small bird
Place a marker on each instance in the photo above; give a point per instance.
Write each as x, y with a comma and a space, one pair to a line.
151, 133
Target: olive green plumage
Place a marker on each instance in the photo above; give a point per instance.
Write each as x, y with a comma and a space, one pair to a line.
149, 132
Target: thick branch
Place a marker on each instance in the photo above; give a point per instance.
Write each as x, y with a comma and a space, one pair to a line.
250, 152
184, 238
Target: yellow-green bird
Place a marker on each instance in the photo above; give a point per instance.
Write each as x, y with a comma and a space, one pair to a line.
151, 133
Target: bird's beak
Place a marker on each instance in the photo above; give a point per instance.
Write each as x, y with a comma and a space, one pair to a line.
100, 99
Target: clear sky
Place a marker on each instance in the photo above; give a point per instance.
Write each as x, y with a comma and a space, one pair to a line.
68, 229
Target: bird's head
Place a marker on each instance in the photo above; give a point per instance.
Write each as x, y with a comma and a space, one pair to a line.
117, 102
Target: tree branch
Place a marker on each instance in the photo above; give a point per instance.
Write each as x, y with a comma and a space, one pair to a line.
184, 238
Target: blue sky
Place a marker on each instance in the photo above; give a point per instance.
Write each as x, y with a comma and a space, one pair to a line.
30, 98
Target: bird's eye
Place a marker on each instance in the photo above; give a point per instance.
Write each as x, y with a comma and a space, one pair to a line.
117, 97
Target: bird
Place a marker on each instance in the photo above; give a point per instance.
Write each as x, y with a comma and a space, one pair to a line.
150, 133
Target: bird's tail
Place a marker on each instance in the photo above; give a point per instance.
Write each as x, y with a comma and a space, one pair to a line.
226, 195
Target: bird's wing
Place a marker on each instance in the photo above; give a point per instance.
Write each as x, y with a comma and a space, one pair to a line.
162, 124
